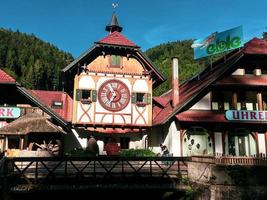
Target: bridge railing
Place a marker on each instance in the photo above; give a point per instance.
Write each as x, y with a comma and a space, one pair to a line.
40, 170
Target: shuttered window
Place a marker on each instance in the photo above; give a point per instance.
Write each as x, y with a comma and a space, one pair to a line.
141, 99
86, 96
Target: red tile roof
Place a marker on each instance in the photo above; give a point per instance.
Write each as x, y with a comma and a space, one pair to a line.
161, 100
255, 46
192, 90
238, 80
48, 97
5, 78
201, 116
116, 38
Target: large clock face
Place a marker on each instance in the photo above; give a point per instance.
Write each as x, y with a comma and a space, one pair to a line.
113, 95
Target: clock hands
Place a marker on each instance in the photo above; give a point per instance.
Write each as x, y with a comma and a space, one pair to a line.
112, 92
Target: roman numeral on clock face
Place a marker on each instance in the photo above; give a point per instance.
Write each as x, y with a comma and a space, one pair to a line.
114, 95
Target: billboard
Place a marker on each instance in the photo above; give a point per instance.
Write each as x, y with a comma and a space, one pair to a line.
218, 42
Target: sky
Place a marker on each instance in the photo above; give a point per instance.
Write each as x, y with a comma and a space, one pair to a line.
74, 25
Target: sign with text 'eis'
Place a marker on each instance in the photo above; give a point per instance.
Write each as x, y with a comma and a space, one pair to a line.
9, 112
218, 42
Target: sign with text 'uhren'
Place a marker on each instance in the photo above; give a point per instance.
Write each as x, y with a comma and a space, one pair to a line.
246, 115
9, 112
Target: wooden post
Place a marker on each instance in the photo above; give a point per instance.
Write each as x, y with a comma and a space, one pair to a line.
21, 143
234, 101
259, 99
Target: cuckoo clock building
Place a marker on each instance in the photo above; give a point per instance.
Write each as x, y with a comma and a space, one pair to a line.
112, 85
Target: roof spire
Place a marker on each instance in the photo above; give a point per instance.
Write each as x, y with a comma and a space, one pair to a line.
114, 24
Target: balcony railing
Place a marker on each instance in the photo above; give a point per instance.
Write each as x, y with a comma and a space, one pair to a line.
232, 160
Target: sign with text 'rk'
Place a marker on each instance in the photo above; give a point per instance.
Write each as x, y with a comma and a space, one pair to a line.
9, 112
246, 115
218, 42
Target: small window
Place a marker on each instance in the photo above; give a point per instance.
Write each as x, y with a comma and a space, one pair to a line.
141, 99
221, 100
13, 142
263, 71
115, 61
124, 142
86, 96
249, 71
57, 104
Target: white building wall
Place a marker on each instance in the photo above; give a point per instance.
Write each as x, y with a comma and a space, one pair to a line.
239, 72
203, 104
174, 140
86, 82
169, 136
218, 143
140, 86
262, 143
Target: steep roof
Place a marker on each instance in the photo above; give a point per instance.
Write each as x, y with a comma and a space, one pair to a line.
49, 97
114, 24
117, 42
6, 78
255, 46
194, 89
32, 99
37, 102
116, 38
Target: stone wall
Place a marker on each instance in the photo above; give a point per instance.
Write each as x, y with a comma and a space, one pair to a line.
225, 182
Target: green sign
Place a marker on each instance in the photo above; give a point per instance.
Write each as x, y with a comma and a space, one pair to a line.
218, 43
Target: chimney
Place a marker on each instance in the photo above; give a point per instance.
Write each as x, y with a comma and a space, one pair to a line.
175, 82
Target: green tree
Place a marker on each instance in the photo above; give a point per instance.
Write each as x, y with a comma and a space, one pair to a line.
161, 56
34, 63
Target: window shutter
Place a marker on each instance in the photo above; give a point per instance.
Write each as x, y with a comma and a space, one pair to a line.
94, 95
133, 97
147, 99
78, 94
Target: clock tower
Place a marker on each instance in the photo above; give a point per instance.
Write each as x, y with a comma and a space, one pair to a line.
112, 85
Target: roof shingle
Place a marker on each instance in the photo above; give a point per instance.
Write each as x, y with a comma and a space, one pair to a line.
48, 97
116, 38
5, 78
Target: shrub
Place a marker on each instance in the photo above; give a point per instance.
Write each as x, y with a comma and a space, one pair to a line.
137, 153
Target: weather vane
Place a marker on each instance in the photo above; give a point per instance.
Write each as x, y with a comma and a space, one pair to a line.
114, 5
